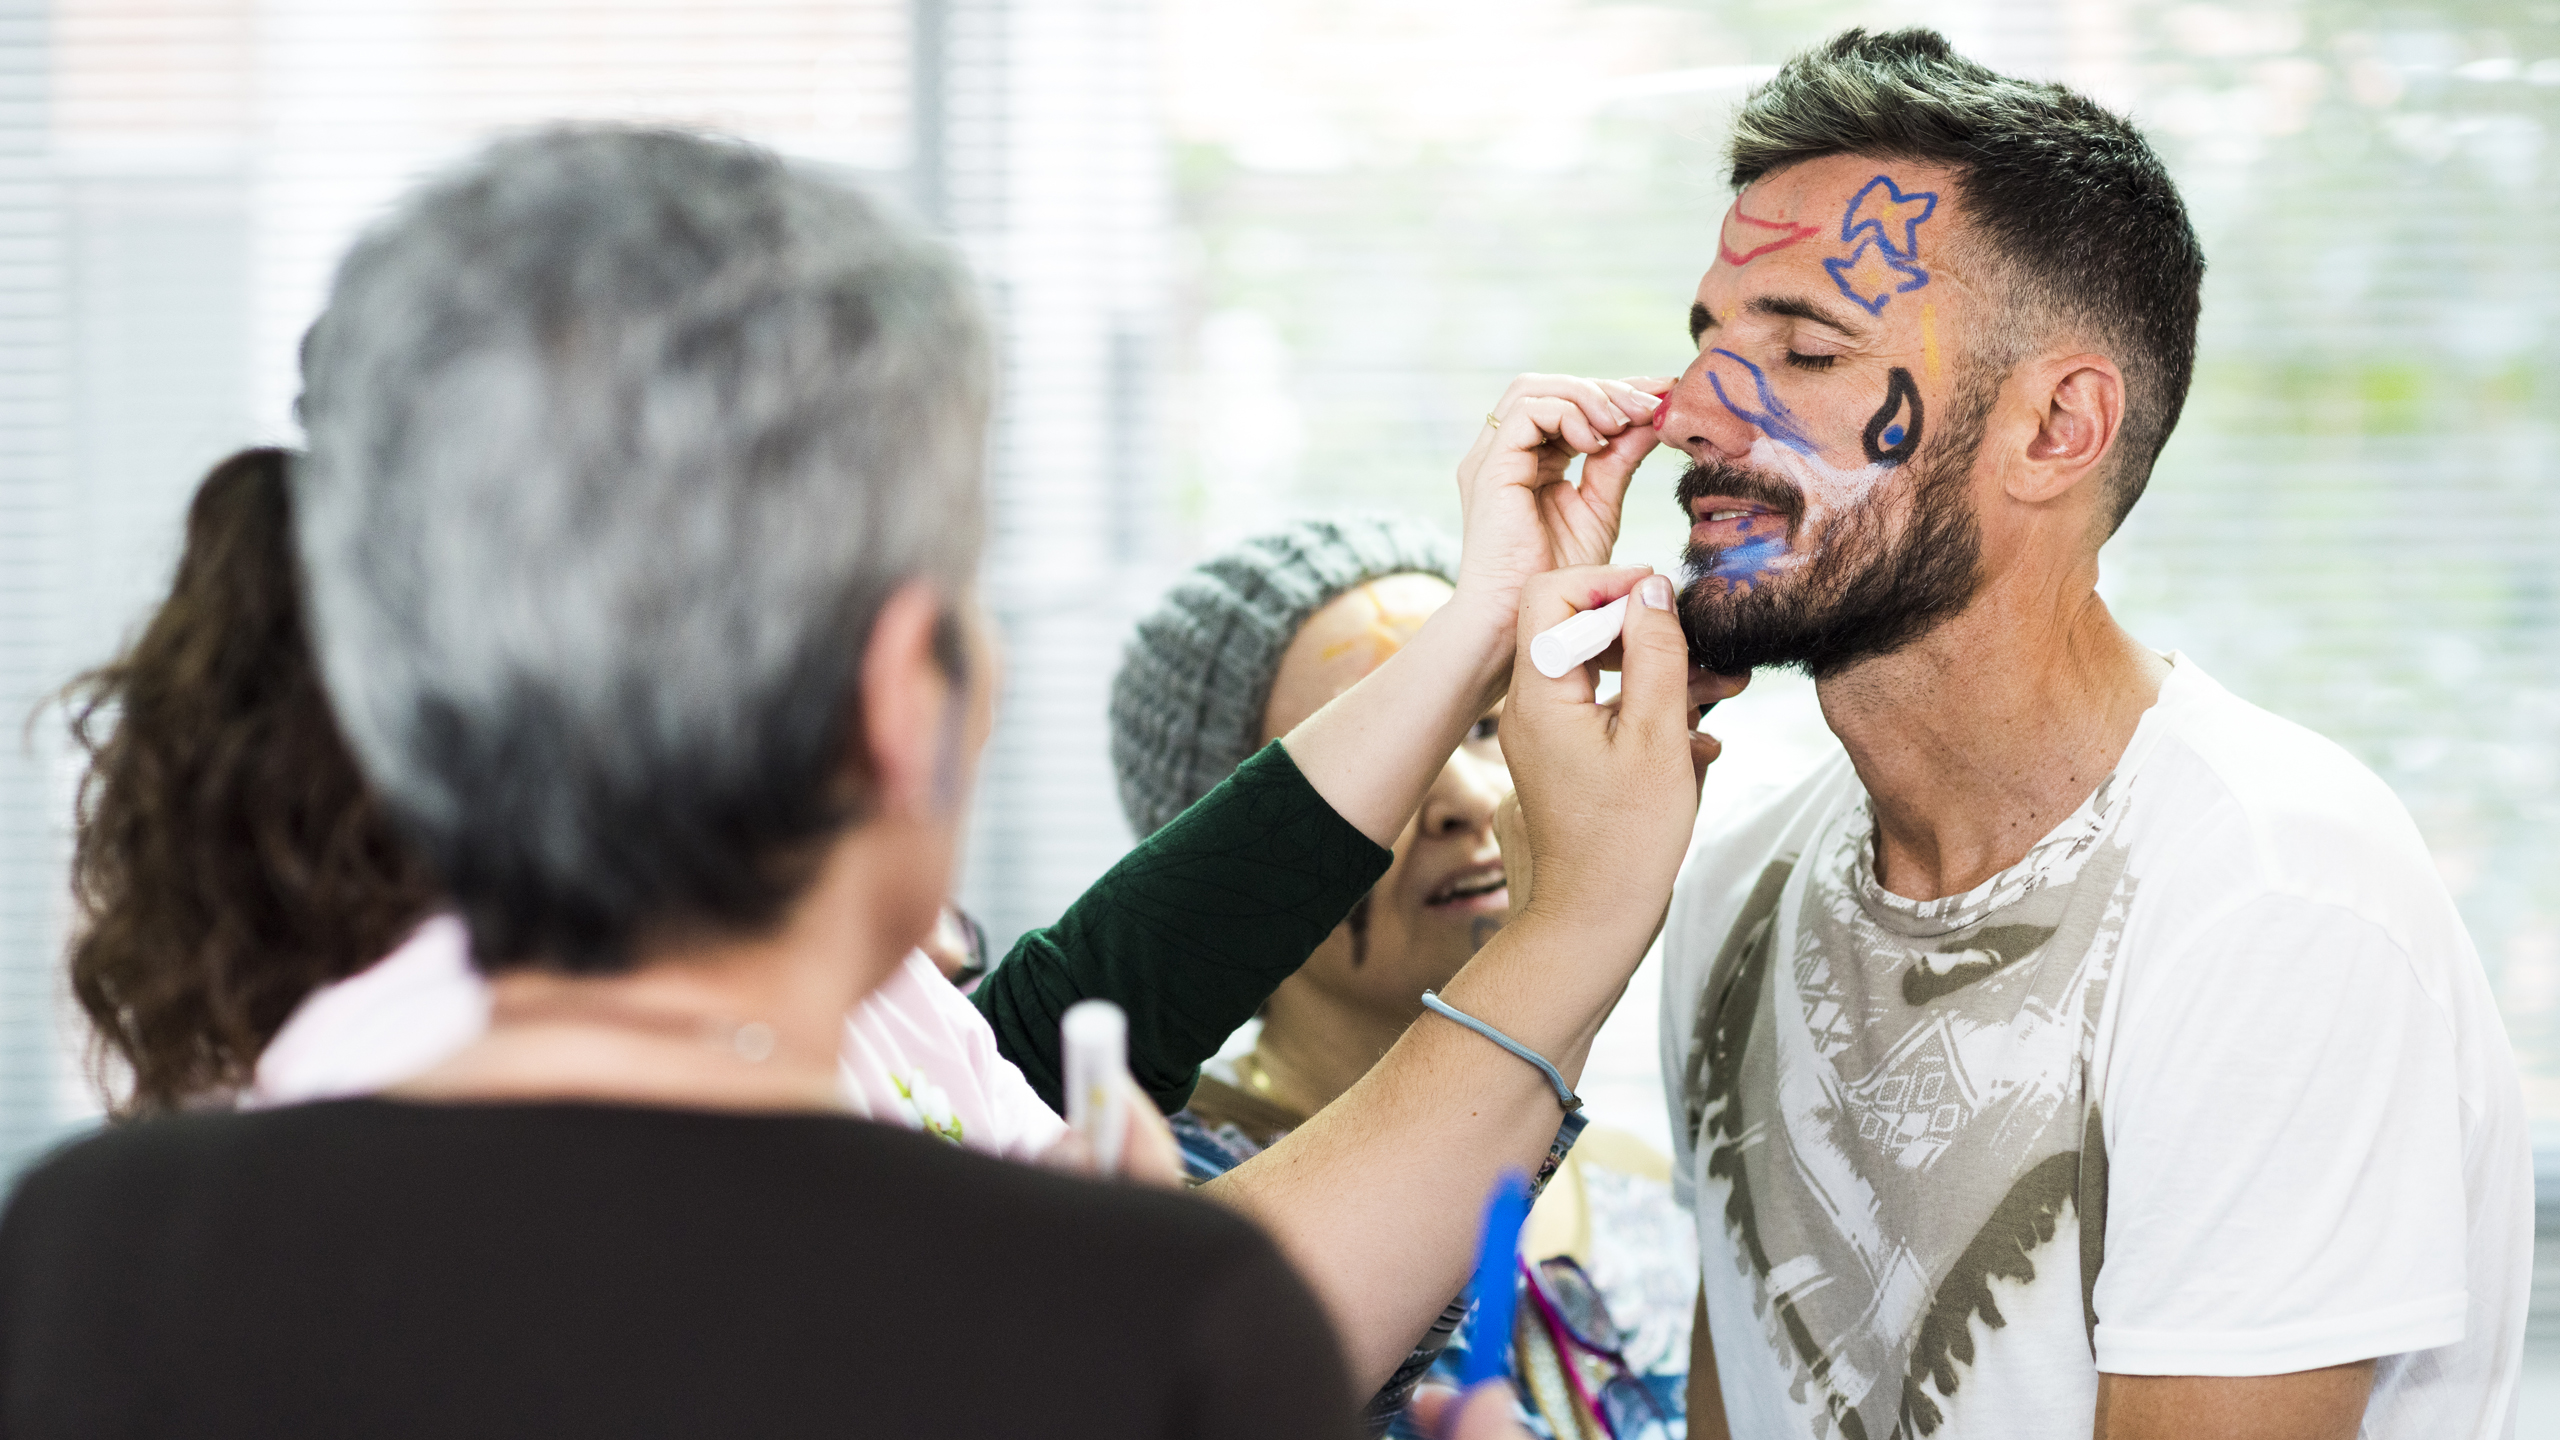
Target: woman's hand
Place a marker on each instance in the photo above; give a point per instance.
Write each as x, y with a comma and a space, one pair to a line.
1149, 1154
1607, 792
1523, 518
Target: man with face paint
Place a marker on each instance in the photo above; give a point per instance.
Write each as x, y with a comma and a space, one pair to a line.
2080, 1050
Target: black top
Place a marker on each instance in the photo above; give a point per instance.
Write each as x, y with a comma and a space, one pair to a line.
1191, 931
372, 1268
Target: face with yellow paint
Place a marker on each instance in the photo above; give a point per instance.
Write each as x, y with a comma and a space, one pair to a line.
1444, 894
1830, 434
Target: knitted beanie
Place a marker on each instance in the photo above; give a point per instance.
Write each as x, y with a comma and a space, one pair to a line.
1186, 707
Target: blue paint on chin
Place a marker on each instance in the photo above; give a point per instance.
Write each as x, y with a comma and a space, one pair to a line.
1740, 564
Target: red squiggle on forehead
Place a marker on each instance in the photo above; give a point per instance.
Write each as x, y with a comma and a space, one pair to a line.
1787, 233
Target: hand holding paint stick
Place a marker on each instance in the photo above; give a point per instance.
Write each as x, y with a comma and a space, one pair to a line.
1095, 1036
1568, 643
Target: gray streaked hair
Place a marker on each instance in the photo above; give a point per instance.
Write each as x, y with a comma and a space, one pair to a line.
2070, 208
619, 440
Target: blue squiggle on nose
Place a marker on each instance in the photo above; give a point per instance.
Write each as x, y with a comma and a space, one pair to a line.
1773, 417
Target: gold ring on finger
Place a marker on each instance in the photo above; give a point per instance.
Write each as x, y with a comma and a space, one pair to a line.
1493, 420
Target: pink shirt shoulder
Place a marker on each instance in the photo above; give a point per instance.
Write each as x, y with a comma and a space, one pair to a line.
916, 1052
403, 1015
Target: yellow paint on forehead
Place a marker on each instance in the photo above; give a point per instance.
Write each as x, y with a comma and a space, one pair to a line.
1929, 337
1388, 628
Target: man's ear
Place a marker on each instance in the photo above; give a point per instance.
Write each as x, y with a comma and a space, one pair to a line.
2080, 399
905, 697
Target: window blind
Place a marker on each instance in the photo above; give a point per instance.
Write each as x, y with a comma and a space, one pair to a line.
179, 177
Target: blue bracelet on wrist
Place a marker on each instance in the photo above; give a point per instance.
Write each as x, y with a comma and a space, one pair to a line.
1564, 1093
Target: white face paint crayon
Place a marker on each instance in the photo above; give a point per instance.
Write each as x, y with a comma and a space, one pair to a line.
1095, 1036
1568, 643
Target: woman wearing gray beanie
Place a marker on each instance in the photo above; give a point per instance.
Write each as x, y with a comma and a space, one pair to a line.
1244, 647
1376, 1197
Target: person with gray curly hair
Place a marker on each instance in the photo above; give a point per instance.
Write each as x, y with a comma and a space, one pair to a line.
640, 520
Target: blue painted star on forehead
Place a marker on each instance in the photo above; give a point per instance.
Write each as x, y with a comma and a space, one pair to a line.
1872, 275
1885, 214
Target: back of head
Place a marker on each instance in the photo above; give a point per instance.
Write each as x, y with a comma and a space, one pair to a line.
2065, 203
1196, 674
619, 440
229, 858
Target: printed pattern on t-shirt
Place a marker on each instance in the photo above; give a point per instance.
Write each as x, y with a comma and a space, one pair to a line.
1895, 1098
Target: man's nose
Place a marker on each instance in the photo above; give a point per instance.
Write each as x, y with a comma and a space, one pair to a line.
1700, 424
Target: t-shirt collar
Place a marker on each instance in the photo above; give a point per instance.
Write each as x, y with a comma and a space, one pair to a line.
1924, 919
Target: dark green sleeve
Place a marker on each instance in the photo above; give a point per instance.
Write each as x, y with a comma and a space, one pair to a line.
1191, 931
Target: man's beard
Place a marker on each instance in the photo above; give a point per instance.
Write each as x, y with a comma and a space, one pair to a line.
1865, 591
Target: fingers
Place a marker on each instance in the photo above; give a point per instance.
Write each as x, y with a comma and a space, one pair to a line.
1555, 597
1653, 685
1606, 475
1609, 405
1635, 402
1548, 601
1148, 1153
1704, 750
1606, 408
1483, 1413
1707, 687
1656, 393
1069, 1153
1540, 420
1602, 411
1429, 1406
1560, 595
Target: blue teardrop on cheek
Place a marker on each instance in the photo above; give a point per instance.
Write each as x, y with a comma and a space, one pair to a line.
1892, 436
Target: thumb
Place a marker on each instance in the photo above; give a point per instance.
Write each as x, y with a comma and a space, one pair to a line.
1654, 677
1606, 475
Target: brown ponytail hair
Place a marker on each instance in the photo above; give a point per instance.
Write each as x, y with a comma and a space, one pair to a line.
229, 858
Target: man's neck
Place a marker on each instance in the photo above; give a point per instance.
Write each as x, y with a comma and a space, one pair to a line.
1978, 740
1315, 1045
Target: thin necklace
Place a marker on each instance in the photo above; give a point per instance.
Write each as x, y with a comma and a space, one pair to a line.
1258, 1080
751, 1041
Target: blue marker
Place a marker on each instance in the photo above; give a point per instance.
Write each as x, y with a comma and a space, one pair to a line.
1493, 1290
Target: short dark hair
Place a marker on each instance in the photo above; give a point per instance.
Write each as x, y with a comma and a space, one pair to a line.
2070, 202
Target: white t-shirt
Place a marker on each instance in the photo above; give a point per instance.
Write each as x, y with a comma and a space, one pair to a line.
2210, 1083
916, 1052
